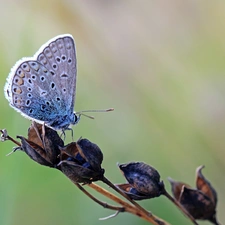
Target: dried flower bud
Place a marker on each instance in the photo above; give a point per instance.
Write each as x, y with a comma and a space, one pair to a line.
204, 186
144, 181
200, 202
132, 192
177, 187
42, 145
81, 161
91, 153
196, 203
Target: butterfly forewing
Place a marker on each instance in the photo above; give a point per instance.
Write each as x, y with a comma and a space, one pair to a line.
59, 57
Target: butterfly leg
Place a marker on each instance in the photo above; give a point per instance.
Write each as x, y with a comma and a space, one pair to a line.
71, 132
63, 135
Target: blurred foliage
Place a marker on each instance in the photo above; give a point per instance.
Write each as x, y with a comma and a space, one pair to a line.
161, 65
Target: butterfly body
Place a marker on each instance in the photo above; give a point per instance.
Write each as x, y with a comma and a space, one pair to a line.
42, 88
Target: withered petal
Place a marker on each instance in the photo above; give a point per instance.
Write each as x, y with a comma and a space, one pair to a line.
132, 192
78, 173
35, 134
35, 152
91, 152
204, 185
46, 138
197, 203
176, 187
69, 150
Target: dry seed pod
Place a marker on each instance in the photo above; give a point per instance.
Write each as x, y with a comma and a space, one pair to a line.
199, 202
144, 181
81, 161
42, 145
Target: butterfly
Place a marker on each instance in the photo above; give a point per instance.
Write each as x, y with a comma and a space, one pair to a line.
43, 87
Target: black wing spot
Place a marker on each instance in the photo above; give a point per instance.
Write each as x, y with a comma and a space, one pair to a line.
58, 99
54, 66
69, 60
58, 59
29, 95
24, 66
64, 75
43, 93
43, 107
52, 85
63, 57
30, 81
31, 111
53, 73
28, 102
42, 78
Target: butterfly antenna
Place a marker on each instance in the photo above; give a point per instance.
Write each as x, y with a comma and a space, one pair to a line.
93, 110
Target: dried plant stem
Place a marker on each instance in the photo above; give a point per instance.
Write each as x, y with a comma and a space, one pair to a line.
7, 137
179, 206
104, 204
128, 207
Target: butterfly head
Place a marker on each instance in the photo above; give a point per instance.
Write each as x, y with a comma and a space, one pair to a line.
76, 118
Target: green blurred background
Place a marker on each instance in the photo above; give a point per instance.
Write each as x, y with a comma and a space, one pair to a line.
160, 64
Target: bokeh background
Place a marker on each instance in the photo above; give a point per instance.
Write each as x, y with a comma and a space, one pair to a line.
160, 64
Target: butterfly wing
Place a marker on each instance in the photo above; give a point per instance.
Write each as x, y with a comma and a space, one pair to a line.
59, 57
42, 88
